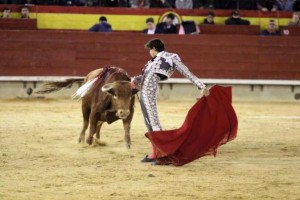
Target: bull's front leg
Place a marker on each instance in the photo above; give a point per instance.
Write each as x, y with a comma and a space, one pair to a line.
94, 118
127, 126
97, 139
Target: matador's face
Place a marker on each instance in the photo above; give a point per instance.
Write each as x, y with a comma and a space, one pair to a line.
153, 52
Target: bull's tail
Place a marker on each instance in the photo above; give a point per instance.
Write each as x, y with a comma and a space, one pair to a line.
84, 88
56, 85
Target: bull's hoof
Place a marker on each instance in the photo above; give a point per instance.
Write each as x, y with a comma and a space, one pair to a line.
97, 142
81, 139
127, 145
89, 140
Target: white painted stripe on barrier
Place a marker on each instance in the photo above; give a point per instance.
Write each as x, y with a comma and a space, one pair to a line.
237, 81
275, 117
171, 80
37, 78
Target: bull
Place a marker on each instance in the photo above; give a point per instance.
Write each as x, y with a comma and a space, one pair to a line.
109, 97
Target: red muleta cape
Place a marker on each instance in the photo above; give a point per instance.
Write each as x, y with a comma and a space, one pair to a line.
210, 123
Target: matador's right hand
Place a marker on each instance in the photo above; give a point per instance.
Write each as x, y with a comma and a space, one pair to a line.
205, 92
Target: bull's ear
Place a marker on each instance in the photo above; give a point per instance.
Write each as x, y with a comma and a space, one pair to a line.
134, 91
109, 87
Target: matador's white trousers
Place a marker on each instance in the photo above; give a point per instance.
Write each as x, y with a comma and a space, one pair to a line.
148, 101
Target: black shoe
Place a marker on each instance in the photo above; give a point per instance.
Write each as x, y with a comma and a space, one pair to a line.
146, 159
154, 163
158, 163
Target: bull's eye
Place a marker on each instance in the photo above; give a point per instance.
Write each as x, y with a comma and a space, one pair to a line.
115, 96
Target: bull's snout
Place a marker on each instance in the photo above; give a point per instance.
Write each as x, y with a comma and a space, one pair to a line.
123, 114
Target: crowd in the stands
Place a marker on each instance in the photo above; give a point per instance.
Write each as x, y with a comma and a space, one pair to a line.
186, 27
263, 5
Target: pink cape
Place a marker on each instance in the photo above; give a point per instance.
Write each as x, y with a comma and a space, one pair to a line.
210, 123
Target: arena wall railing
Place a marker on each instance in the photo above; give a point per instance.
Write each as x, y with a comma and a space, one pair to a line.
251, 82
173, 89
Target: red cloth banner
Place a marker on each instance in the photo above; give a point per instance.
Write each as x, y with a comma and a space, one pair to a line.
210, 123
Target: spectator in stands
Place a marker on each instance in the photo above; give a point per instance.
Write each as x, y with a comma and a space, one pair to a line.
5, 13
24, 13
68, 2
220, 4
124, 3
271, 30
167, 26
236, 19
19, 1
284, 5
266, 5
47, 2
81, 2
151, 27
241, 4
172, 3
184, 4
140, 4
295, 20
203, 4
296, 5
30, 1
90, 3
210, 18
159, 4
189, 27
102, 26
111, 3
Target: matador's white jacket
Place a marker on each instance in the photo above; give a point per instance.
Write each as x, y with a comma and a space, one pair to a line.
159, 68
164, 65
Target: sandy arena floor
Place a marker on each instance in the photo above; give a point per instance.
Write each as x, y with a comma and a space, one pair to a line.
40, 157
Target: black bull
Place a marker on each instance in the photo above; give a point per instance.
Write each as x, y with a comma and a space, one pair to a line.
110, 98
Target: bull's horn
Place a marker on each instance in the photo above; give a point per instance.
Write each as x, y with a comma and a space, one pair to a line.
107, 87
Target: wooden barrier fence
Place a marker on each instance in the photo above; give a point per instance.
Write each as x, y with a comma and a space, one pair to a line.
61, 53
